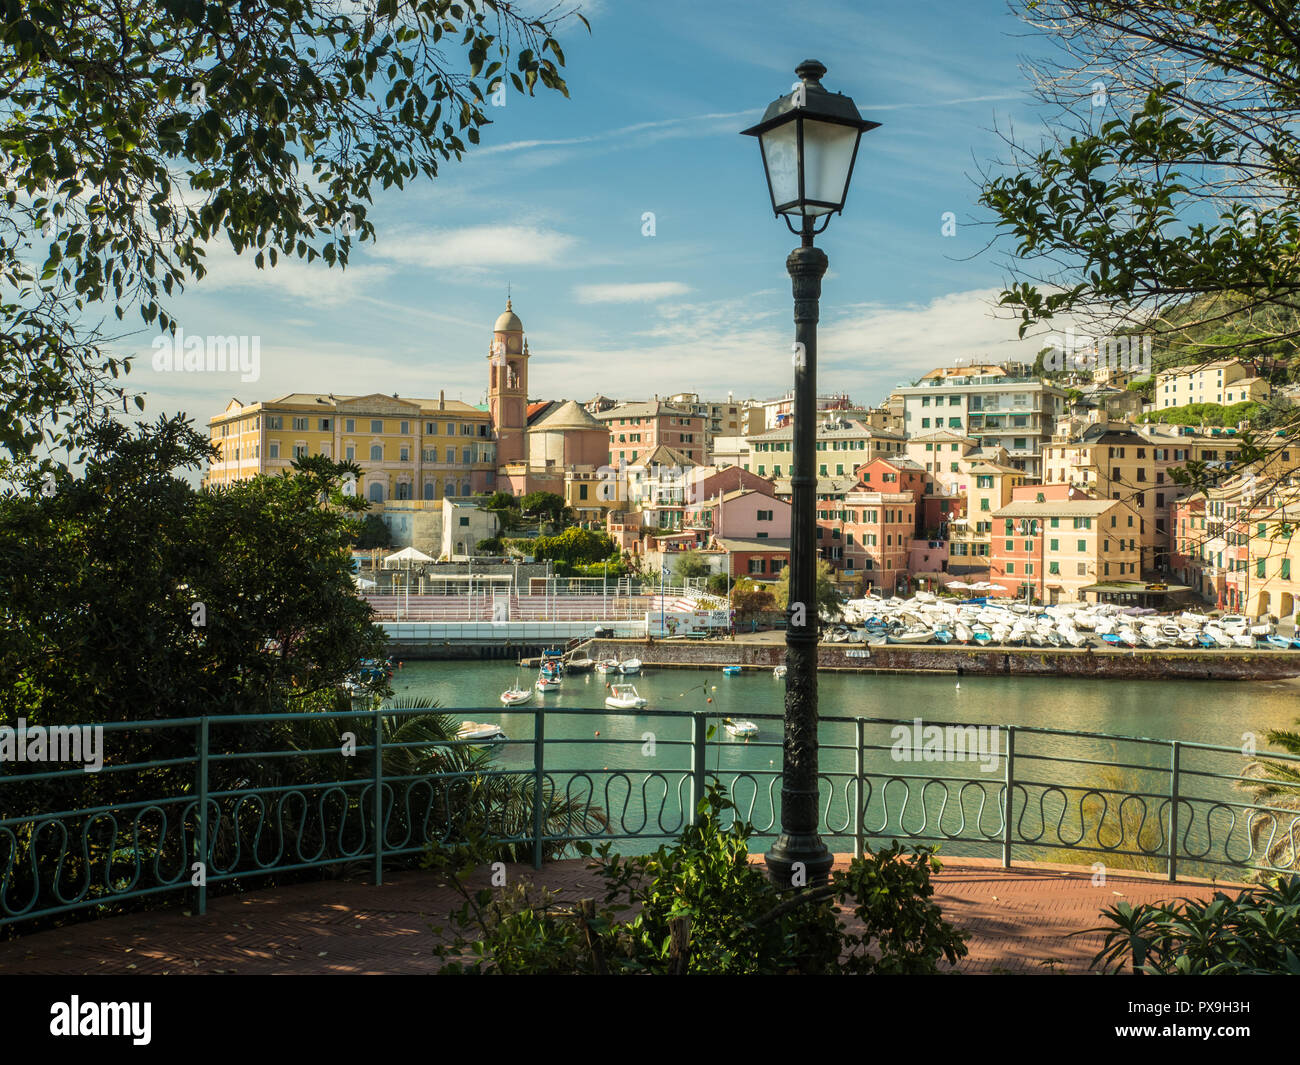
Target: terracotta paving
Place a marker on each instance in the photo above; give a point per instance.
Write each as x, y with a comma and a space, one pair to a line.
1018, 921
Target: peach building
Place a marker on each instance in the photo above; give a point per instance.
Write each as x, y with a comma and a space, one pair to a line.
1053, 541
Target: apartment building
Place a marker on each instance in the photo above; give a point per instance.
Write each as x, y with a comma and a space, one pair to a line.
1238, 544
998, 410
1225, 381
722, 419
407, 448
942, 454
637, 429
988, 487
872, 529
843, 444
1051, 541
1136, 463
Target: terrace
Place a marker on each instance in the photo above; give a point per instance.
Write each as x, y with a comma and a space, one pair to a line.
292, 793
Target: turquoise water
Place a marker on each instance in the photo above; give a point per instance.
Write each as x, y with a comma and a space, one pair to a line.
635, 766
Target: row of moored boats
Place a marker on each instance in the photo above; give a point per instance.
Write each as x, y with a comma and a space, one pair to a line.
924, 618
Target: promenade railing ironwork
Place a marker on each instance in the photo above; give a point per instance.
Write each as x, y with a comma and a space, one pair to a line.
283, 793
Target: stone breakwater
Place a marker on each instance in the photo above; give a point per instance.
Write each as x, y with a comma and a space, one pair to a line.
1135, 664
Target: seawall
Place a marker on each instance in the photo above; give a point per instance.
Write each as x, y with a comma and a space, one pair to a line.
1135, 664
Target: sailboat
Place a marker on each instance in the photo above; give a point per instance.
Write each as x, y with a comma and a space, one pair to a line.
516, 696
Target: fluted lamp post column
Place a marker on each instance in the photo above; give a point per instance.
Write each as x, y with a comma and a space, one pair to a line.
809, 142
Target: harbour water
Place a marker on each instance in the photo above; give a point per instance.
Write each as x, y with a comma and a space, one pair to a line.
1216, 712
1078, 798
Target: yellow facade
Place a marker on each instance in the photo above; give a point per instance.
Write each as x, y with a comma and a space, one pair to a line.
406, 448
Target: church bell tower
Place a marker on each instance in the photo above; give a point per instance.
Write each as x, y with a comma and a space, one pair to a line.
508, 387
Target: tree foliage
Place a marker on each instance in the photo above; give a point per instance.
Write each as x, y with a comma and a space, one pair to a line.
828, 598
574, 546
127, 594
134, 137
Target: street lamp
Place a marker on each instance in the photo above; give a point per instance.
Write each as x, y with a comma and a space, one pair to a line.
809, 143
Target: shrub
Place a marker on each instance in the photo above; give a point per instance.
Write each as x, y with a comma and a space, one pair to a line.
701, 907
1256, 933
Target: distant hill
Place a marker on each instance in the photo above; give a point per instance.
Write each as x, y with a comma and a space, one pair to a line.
1221, 326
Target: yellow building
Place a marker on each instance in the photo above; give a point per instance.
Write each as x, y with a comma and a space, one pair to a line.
428, 449
1135, 465
1226, 381
990, 486
1274, 566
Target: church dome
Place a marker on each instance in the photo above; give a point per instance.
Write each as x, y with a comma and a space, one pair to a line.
508, 322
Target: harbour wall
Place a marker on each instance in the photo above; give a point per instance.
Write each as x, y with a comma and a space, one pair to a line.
1134, 664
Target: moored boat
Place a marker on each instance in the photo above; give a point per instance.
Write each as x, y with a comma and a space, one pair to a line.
740, 728
624, 697
474, 730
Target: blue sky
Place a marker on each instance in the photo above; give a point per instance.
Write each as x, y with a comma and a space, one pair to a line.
552, 203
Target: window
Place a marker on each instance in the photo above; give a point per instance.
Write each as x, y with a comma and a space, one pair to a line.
299, 451
1011, 568
273, 449
764, 515
1056, 523
925, 423
1259, 568
954, 423
326, 424
376, 425
300, 424
349, 425
954, 401
404, 454
1054, 545
406, 428
1286, 569
451, 454
984, 504
1083, 545
1011, 545
274, 421
1011, 527
925, 401
430, 428
377, 453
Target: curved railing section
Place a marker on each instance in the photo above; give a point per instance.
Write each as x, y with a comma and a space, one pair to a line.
284, 793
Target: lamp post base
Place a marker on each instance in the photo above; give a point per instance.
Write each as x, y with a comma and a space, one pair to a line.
798, 861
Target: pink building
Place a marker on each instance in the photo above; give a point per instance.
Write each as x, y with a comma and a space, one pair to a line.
637, 429
745, 514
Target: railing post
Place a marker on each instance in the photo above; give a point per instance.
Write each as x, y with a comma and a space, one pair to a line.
539, 779
859, 773
377, 733
1006, 798
201, 904
699, 761
1173, 810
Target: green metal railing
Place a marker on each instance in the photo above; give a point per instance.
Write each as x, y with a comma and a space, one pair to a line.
181, 805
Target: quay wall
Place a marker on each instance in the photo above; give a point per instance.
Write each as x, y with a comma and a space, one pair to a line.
1126, 664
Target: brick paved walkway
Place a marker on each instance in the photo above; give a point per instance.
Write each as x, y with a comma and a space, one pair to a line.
1018, 921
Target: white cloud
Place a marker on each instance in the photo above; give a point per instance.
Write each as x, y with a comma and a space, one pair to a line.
631, 292
475, 247
316, 282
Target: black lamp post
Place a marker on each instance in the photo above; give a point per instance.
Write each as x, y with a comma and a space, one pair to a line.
809, 141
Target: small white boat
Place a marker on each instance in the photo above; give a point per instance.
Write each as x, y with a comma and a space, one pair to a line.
629, 666
778, 671
608, 665
741, 729
963, 632
516, 696
473, 730
624, 697
545, 684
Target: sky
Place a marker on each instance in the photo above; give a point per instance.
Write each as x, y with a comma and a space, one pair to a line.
553, 204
